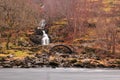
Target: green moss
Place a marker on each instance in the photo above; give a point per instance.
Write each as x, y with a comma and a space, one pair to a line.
20, 54
16, 53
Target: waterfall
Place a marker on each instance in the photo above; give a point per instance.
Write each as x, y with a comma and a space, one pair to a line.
45, 39
42, 23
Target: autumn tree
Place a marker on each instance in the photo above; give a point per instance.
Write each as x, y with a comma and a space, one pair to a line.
17, 15
104, 14
75, 11
107, 24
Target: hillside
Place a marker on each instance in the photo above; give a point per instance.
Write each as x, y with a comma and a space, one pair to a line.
82, 33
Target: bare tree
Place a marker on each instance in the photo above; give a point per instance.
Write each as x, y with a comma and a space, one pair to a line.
18, 15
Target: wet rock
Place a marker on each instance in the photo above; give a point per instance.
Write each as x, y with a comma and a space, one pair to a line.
64, 55
101, 66
67, 64
36, 39
17, 63
6, 64
53, 64
78, 64
39, 63
111, 66
87, 63
72, 60
38, 32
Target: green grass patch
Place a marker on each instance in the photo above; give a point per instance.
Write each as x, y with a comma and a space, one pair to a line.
17, 53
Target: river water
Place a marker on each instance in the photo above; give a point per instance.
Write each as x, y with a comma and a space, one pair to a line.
59, 74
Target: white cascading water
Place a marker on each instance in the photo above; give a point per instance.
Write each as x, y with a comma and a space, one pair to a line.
45, 39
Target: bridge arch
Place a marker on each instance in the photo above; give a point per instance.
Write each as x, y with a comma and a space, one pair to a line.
61, 49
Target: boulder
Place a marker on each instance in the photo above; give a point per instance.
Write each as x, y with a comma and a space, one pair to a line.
7, 64
53, 64
78, 64
36, 39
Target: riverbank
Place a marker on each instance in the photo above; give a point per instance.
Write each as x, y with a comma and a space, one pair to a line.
59, 61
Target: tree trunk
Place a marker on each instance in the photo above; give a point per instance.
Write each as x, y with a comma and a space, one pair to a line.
113, 49
8, 41
114, 43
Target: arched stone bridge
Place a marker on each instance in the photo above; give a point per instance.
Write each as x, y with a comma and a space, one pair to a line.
61, 48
